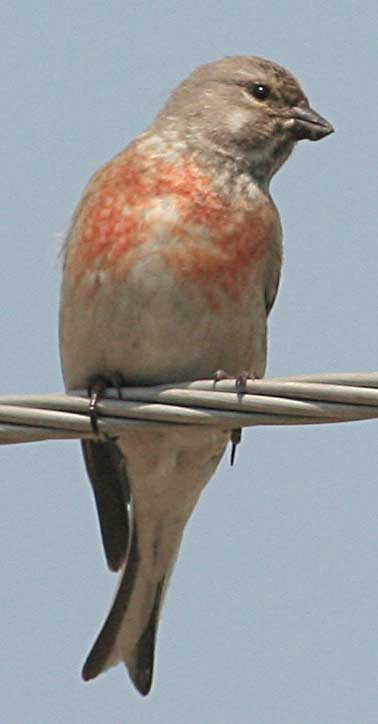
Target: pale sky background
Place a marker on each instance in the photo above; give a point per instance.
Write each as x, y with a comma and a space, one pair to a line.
271, 616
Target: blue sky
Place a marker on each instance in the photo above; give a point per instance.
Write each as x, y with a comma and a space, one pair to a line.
271, 616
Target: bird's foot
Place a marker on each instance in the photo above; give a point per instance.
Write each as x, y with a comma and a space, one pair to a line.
97, 386
220, 375
240, 380
241, 387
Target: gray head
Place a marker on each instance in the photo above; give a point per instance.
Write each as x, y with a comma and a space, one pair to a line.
247, 108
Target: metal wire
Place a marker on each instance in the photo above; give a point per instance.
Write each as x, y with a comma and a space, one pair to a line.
303, 400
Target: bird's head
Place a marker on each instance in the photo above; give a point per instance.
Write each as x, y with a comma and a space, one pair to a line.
246, 108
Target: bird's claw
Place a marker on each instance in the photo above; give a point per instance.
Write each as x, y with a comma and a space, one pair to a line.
220, 375
241, 382
96, 390
241, 388
235, 439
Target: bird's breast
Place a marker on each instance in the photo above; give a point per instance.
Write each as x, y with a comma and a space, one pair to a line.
166, 274
137, 211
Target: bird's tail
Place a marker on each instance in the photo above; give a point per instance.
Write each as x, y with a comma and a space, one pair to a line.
129, 632
155, 484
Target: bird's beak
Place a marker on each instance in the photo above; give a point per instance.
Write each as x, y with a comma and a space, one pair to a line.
304, 122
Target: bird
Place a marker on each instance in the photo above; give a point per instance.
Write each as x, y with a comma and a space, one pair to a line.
171, 266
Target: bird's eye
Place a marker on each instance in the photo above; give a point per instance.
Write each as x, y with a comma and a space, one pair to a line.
259, 91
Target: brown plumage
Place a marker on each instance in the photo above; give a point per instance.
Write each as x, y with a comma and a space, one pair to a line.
171, 267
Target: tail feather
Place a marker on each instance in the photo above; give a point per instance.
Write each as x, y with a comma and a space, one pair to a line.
100, 656
129, 631
120, 638
141, 662
165, 475
106, 468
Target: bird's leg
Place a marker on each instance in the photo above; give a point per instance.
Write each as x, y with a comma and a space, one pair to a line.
118, 382
241, 381
241, 387
96, 391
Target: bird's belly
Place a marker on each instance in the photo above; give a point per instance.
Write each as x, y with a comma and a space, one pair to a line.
155, 328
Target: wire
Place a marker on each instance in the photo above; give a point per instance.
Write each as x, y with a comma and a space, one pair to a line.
303, 400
